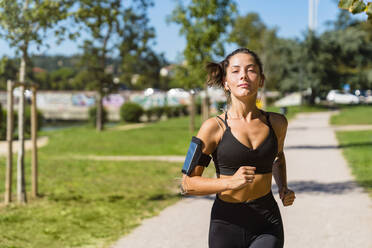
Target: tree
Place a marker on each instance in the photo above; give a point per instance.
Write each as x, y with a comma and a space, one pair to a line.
357, 6
24, 23
8, 70
138, 60
104, 20
204, 24
249, 31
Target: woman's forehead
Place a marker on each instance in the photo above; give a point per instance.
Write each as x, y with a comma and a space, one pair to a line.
242, 59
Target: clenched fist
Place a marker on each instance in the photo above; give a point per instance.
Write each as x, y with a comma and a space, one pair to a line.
243, 176
287, 196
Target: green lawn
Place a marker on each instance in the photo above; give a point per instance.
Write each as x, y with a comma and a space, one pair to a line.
357, 147
94, 202
160, 138
353, 115
293, 110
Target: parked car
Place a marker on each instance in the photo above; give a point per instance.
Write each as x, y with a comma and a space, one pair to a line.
336, 96
365, 96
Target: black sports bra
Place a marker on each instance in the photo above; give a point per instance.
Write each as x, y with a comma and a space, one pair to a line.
230, 153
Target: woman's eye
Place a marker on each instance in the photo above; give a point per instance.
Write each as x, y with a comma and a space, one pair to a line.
235, 71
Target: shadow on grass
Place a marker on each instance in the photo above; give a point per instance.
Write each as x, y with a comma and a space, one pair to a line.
110, 198
162, 197
322, 147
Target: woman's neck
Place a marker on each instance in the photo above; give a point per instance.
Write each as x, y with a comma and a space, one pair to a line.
243, 110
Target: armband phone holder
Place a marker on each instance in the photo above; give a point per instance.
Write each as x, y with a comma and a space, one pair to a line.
195, 156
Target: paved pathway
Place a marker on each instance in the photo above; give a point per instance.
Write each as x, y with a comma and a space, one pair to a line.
41, 141
330, 209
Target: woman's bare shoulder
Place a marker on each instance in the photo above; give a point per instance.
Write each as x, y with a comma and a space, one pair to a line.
278, 119
279, 122
209, 134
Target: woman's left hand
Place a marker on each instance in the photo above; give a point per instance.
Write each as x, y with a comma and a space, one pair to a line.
287, 196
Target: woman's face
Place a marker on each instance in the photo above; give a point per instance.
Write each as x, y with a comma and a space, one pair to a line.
243, 75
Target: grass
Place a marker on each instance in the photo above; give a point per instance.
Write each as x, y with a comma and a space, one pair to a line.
160, 138
292, 111
353, 115
88, 203
357, 147
93, 203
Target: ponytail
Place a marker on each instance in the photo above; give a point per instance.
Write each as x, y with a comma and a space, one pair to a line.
215, 74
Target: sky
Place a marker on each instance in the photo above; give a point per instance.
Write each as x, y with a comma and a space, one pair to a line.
289, 16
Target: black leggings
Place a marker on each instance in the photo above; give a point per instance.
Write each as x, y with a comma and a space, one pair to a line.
253, 224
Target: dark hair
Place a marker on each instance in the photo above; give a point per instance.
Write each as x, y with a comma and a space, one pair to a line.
217, 71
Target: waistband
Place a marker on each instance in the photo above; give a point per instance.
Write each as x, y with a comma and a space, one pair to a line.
262, 199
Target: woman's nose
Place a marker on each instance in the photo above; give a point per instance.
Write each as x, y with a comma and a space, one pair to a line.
244, 75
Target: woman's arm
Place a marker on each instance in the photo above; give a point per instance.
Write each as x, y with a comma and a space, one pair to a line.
280, 171
195, 184
280, 125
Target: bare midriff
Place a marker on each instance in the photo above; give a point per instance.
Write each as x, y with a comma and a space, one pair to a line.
260, 186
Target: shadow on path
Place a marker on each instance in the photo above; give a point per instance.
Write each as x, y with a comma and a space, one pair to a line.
310, 187
313, 187
321, 147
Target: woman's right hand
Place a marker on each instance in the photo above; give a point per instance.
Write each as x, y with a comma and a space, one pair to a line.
243, 176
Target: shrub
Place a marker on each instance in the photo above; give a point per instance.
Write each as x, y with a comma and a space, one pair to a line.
198, 106
131, 112
2, 124
3, 120
149, 113
184, 109
220, 105
158, 111
93, 115
175, 111
169, 111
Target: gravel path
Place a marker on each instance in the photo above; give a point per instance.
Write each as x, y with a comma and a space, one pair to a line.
330, 209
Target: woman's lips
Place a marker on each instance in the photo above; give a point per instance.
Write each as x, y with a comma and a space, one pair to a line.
243, 85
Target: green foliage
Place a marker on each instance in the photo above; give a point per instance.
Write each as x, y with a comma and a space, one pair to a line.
319, 62
2, 123
158, 111
27, 126
356, 6
8, 71
92, 112
23, 21
131, 112
140, 65
203, 23
249, 31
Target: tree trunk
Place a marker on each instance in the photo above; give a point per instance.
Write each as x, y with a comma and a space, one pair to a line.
9, 138
192, 112
21, 185
205, 105
34, 169
99, 114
